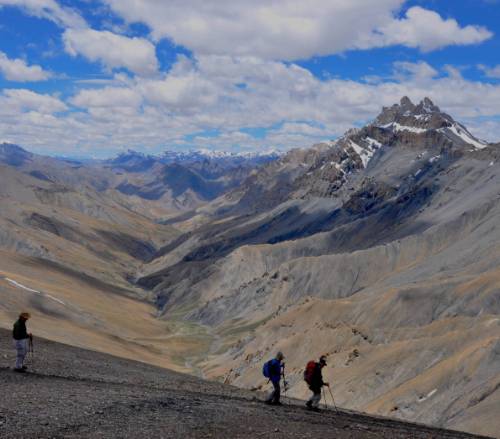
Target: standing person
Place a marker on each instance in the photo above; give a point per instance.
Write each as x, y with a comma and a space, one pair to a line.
273, 370
21, 337
314, 378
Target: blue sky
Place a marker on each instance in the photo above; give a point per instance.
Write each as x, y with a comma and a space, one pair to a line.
93, 78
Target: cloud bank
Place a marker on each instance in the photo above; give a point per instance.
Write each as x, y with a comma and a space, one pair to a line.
294, 29
18, 70
220, 97
240, 87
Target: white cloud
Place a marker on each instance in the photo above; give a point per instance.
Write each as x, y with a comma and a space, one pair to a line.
419, 71
136, 54
184, 89
18, 70
491, 72
107, 97
303, 128
50, 10
20, 100
294, 29
208, 94
428, 31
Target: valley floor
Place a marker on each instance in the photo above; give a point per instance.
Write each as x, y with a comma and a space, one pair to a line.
83, 311
71, 392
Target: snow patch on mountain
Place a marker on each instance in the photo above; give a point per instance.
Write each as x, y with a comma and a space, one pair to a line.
467, 137
31, 290
365, 153
398, 127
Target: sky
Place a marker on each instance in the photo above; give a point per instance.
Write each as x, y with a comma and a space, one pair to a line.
93, 78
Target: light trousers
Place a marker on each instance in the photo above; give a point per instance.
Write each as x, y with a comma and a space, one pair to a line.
315, 398
21, 351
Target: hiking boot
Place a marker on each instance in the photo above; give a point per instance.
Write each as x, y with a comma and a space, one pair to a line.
277, 403
25, 367
20, 370
311, 407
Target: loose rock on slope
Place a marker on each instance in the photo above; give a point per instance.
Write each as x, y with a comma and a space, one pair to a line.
78, 393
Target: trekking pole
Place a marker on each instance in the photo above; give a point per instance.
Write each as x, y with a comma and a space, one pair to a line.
333, 399
285, 384
324, 397
228, 376
32, 350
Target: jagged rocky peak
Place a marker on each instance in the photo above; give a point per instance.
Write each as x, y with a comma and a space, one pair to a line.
425, 119
406, 113
421, 126
426, 106
406, 103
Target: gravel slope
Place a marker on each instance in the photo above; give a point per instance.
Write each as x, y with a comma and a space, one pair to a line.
72, 392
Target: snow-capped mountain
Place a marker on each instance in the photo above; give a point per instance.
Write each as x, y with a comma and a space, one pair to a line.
422, 126
204, 154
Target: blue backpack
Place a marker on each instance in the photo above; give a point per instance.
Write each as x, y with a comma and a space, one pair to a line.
266, 369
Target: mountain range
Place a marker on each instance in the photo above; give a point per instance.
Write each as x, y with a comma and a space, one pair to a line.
380, 249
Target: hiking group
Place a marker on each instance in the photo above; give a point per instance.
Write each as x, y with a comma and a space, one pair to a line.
274, 370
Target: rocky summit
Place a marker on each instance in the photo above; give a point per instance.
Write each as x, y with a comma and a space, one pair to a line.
380, 249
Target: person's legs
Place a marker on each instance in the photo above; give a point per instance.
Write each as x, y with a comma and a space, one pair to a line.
315, 399
277, 392
274, 396
20, 353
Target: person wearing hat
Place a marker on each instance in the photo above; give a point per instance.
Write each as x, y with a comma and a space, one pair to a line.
316, 384
21, 337
276, 366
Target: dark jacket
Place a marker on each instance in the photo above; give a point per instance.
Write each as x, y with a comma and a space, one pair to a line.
317, 378
275, 367
19, 331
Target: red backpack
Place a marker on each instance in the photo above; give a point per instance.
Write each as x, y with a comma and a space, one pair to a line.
309, 372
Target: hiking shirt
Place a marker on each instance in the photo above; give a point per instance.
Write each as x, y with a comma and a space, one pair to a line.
275, 370
19, 331
317, 378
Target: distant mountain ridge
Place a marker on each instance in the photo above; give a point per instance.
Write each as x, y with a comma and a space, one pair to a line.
184, 180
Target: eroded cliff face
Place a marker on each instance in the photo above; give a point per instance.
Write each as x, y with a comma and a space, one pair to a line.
380, 249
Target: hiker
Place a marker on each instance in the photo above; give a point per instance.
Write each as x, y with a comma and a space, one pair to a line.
21, 337
314, 378
273, 370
